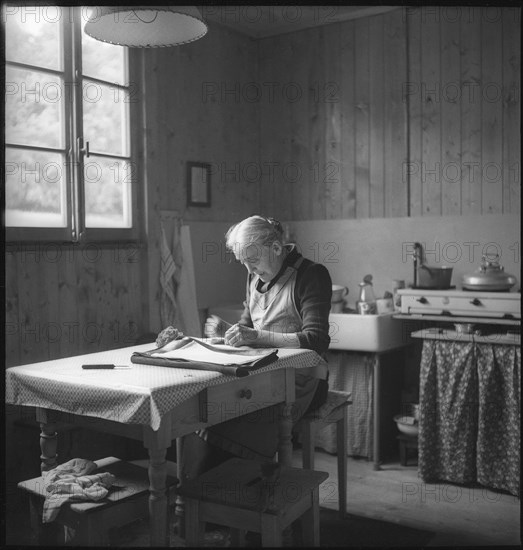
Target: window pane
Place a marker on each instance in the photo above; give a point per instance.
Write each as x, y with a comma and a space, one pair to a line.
104, 61
35, 194
33, 35
106, 118
107, 192
34, 108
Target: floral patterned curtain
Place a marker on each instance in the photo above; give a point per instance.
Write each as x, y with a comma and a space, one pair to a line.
470, 414
499, 434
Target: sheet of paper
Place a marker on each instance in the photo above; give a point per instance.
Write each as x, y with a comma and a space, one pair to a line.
196, 352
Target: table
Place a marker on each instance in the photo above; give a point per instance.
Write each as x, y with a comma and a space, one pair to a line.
153, 404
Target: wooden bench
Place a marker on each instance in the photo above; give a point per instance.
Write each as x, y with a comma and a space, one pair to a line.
127, 501
236, 494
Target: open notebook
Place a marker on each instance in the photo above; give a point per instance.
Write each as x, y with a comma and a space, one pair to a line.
196, 353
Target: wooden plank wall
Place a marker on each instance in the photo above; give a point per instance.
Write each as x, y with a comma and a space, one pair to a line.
464, 102
64, 300
415, 112
346, 132
201, 106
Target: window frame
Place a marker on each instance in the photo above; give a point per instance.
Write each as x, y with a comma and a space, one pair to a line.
75, 231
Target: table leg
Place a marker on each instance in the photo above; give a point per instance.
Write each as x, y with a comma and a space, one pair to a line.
180, 504
376, 413
158, 515
285, 422
48, 439
48, 445
156, 443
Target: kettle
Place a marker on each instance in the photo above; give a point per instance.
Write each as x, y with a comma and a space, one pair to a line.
490, 276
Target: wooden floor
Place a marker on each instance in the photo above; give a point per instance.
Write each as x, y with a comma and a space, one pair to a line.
458, 516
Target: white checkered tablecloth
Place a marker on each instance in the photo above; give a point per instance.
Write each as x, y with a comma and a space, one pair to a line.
142, 394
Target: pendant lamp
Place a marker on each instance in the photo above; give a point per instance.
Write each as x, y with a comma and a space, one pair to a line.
146, 26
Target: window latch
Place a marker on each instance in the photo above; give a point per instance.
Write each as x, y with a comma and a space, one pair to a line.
83, 150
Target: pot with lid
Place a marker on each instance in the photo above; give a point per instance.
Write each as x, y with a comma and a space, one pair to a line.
490, 276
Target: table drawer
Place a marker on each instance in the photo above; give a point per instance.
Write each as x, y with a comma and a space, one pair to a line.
243, 396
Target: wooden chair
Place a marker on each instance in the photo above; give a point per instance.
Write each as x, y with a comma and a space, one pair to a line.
333, 411
127, 501
237, 495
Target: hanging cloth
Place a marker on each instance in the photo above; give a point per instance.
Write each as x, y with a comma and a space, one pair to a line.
170, 267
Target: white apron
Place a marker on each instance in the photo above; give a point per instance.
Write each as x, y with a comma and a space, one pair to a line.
255, 435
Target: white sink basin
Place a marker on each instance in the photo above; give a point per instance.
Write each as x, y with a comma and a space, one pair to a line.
373, 333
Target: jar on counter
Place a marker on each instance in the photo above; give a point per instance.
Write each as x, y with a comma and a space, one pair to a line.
396, 298
367, 300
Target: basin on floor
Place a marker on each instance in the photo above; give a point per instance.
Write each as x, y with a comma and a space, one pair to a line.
373, 333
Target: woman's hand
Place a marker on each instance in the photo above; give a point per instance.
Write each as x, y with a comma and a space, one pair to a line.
215, 327
240, 335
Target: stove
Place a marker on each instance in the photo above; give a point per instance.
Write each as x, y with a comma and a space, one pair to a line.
461, 303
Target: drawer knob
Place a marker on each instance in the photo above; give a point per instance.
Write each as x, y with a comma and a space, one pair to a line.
247, 394
422, 300
475, 302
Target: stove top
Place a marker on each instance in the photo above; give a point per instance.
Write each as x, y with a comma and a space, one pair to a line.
460, 303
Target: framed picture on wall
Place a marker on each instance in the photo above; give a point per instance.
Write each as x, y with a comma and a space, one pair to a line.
198, 184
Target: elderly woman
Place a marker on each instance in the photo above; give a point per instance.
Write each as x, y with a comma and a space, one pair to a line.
287, 305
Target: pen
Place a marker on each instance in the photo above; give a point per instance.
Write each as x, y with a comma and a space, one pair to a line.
105, 366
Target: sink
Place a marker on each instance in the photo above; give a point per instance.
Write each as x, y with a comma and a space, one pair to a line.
372, 333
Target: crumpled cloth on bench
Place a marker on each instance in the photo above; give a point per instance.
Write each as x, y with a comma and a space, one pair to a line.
73, 481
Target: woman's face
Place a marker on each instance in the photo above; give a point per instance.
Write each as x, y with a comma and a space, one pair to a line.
263, 260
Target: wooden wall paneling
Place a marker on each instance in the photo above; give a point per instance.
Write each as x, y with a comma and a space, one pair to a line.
362, 114
288, 179
330, 97
245, 125
492, 116
377, 99
412, 96
156, 169
511, 110
89, 279
173, 133
395, 114
49, 305
32, 346
13, 325
471, 112
271, 151
317, 125
218, 118
68, 300
450, 102
431, 117
348, 121
120, 322
117, 319
213, 115
300, 157
135, 257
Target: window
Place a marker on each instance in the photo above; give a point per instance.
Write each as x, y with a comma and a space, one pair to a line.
69, 170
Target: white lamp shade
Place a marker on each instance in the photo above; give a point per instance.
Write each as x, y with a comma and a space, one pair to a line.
146, 26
